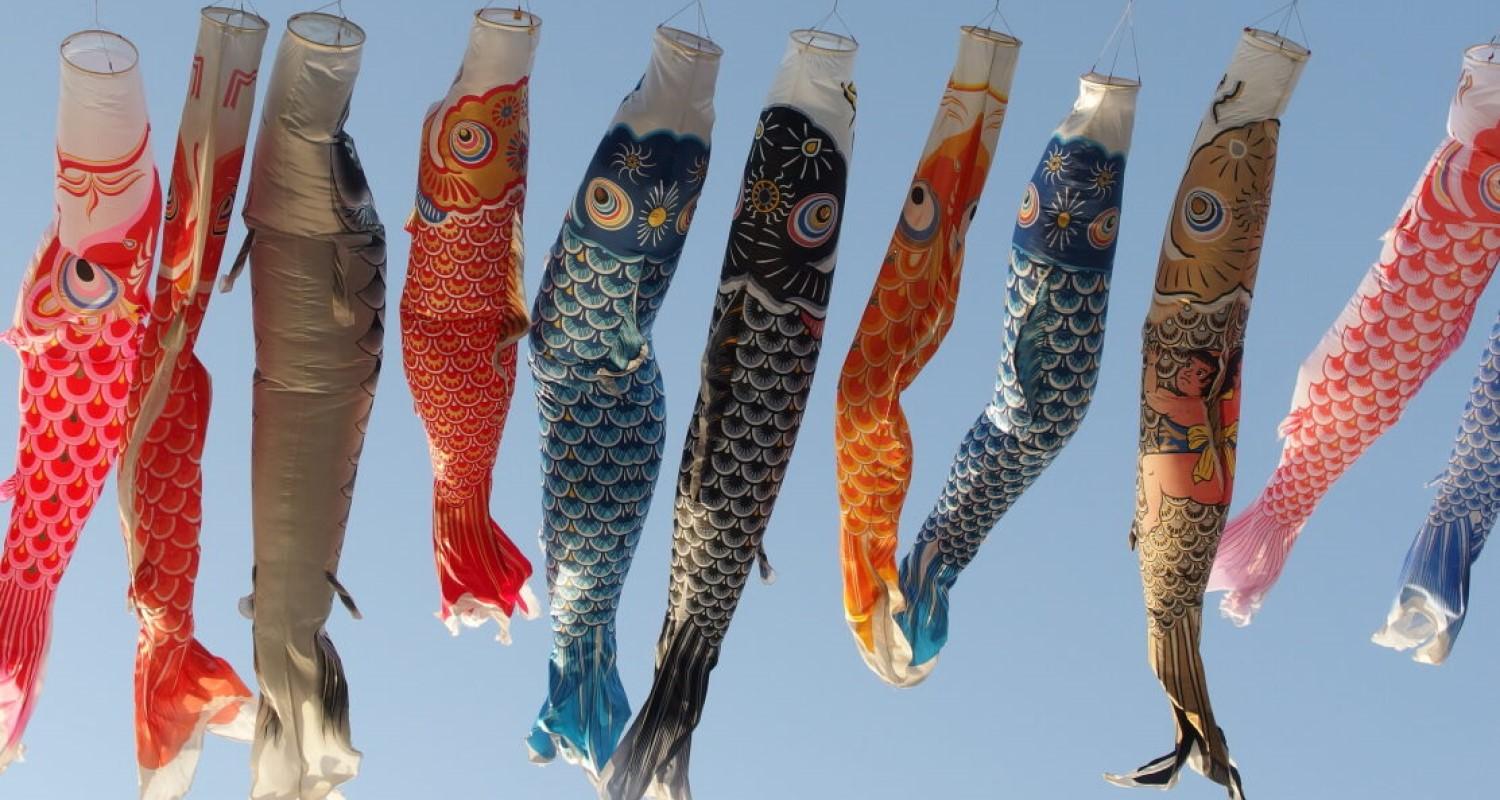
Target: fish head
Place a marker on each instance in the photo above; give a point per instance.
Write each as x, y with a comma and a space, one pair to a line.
474, 152
640, 192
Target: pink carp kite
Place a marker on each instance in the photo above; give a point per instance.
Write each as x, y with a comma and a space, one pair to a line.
77, 330
463, 311
180, 687
1408, 315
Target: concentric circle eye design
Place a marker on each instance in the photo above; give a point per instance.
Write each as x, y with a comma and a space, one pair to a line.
685, 216
963, 224
920, 215
472, 143
1204, 215
1104, 228
1031, 207
174, 205
813, 219
223, 214
1489, 188
607, 204
85, 287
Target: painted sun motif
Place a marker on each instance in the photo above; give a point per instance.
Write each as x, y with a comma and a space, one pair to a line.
763, 135
698, 172
631, 161
767, 198
808, 150
1054, 164
653, 220
1062, 222
1102, 178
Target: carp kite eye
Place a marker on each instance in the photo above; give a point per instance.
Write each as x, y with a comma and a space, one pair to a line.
471, 143
85, 287
1104, 228
607, 204
1489, 188
963, 224
1204, 215
920, 215
685, 216
1031, 206
812, 220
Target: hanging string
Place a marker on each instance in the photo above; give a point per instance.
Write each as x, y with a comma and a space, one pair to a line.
1288, 12
99, 39
1126, 24
338, 35
988, 20
832, 14
518, 14
253, 9
702, 29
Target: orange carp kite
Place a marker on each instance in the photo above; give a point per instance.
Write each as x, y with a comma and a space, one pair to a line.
77, 330
180, 687
910, 311
463, 311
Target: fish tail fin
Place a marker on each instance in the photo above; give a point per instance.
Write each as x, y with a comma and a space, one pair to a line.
481, 572
25, 632
586, 708
1251, 554
653, 757
1173, 653
1429, 611
302, 740
181, 690
925, 581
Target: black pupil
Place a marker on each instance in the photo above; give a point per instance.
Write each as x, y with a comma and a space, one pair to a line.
601, 197
84, 269
918, 195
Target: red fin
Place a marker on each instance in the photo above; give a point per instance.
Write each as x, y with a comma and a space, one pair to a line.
481, 573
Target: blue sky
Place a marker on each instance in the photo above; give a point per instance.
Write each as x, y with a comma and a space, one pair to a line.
1045, 683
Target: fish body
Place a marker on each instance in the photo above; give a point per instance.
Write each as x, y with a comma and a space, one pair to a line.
1193, 344
1409, 313
1433, 600
463, 313
77, 330
757, 369
181, 688
908, 315
599, 392
317, 273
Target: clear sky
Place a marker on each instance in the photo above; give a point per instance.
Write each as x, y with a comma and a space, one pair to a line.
1044, 683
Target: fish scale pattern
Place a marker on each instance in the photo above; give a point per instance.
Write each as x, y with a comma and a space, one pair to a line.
1053, 339
1433, 601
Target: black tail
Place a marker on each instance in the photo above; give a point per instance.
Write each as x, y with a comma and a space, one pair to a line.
654, 753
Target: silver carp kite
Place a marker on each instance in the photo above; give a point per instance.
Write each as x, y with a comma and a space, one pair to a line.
317, 271
757, 370
599, 392
1190, 387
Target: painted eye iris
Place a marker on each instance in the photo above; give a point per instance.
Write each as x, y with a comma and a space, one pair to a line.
223, 214
920, 215
472, 143
1030, 207
173, 205
1105, 228
1489, 188
813, 219
1204, 215
685, 216
87, 288
963, 224
607, 204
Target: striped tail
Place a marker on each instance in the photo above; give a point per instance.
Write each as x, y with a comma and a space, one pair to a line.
925, 581
302, 746
25, 631
181, 690
1174, 658
481, 572
1429, 611
586, 708
653, 757
1252, 552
